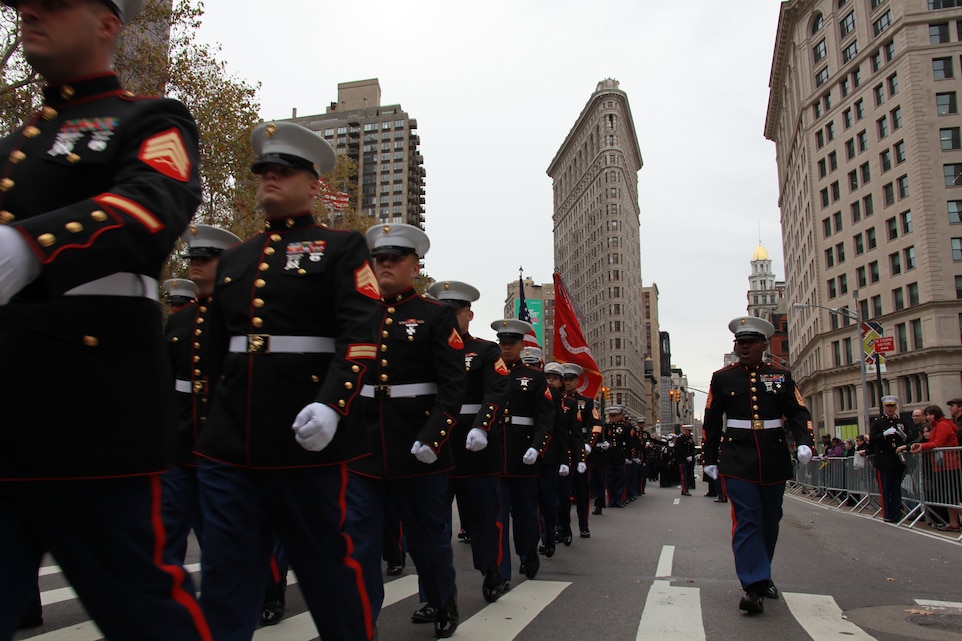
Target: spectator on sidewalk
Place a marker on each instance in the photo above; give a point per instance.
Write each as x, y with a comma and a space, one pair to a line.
946, 478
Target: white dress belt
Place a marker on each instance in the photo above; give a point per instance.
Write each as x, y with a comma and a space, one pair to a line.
407, 390
266, 344
757, 424
471, 409
521, 420
119, 284
180, 385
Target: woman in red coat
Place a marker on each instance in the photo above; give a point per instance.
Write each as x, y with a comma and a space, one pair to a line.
947, 478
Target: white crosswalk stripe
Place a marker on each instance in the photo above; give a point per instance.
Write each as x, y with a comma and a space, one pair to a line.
670, 612
509, 615
821, 617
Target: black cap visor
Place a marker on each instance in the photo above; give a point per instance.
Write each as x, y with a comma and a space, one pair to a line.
285, 160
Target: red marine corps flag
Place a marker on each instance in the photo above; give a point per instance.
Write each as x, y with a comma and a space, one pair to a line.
570, 345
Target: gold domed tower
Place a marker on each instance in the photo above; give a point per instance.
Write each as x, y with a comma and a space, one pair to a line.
763, 290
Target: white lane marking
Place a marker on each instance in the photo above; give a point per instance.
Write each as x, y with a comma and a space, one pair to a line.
821, 618
939, 604
671, 614
676, 502
301, 626
509, 615
665, 561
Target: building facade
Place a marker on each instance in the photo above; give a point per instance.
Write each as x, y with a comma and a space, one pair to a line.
383, 141
863, 111
597, 247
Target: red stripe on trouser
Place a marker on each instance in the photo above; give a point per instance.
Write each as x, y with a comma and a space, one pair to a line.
176, 572
881, 492
684, 477
349, 559
275, 571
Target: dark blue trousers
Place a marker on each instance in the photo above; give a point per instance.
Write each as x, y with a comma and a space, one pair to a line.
306, 508
599, 484
616, 482
548, 503
564, 499
890, 487
108, 537
479, 499
425, 509
582, 492
684, 471
181, 510
519, 506
756, 511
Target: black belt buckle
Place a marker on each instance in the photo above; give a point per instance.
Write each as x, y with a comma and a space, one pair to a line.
382, 391
258, 343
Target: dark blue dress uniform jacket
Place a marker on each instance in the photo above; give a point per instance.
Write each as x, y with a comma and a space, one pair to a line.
764, 393
179, 334
883, 447
487, 386
98, 182
419, 343
529, 398
295, 279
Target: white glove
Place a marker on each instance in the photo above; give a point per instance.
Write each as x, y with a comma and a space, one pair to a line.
314, 426
564, 470
688, 460
637, 461
582, 468
627, 461
18, 265
477, 440
711, 470
889, 432
530, 457
604, 445
423, 453
587, 449
804, 454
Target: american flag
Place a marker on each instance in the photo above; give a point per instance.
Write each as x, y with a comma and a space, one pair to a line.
336, 200
530, 339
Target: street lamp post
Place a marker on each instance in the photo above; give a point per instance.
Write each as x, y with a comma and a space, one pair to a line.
857, 317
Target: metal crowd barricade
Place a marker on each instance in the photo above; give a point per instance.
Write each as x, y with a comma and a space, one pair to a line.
939, 479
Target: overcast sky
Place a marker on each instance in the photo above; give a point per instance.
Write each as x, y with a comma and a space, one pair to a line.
496, 87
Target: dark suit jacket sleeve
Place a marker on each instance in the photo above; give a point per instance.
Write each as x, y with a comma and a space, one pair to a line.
714, 413
544, 416
797, 416
447, 350
496, 384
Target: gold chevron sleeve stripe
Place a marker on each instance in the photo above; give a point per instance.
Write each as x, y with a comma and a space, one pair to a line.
132, 209
169, 147
362, 352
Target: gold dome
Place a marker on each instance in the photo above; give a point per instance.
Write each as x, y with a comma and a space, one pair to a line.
760, 253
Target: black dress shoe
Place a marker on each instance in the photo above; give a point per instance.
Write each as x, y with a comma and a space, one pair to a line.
30, 621
752, 603
448, 617
494, 585
721, 500
274, 603
585, 534
597, 510
531, 566
394, 568
771, 592
425, 614
566, 537
616, 505
549, 550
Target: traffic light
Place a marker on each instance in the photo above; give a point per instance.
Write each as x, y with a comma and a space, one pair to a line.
606, 391
671, 395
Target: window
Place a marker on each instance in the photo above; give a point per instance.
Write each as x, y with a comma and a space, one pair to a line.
944, 4
837, 217
945, 103
843, 284
860, 277
908, 257
950, 138
859, 109
821, 168
866, 174
870, 238
882, 23
876, 61
900, 337
957, 249
892, 227
829, 258
941, 68
883, 128
873, 272
856, 212
849, 149
888, 194
876, 306
879, 92
850, 51
916, 333
868, 207
876, 4
862, 139
852, 180
818, 51
817, 23
958, 287
913, 289
938, 33
832, 161
836, 354
822, 76
955, 211
857, 77
832, 293
885, 160
951, 173
895, 263
827, 101
819, 139
859, 244
840, 253
847, 118
824, 195
836, 191
830, 131
899, 148
906, 220
845, 86
893, 82
898, 299
902, 186
847, 25
896, 115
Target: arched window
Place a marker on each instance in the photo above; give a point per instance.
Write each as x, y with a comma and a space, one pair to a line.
817, 23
